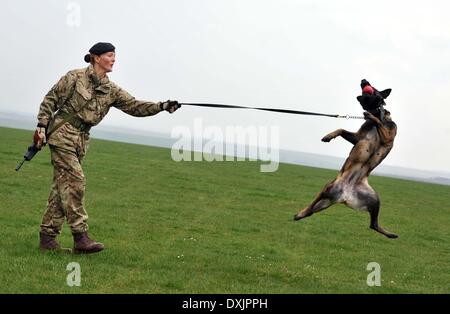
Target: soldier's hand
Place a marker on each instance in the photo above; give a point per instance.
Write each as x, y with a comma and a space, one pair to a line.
39, 137
170, 106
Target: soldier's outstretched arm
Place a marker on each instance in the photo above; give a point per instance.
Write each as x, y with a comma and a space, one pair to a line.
140, 108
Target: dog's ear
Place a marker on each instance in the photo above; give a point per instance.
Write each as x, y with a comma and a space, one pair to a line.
360, 100
385, 93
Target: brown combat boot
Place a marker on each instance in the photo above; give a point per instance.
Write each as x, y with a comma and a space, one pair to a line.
82, 244
48, 242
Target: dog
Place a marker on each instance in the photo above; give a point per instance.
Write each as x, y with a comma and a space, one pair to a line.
371, 144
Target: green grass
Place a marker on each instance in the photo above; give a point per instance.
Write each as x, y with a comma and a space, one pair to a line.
216, 227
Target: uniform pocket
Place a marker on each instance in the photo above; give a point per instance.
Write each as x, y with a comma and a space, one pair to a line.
80, 97
97, 108
82, 91
83, 146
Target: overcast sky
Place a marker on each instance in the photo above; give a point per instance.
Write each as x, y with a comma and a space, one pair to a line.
300, 55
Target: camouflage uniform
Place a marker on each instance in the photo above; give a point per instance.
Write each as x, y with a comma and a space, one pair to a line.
79, 91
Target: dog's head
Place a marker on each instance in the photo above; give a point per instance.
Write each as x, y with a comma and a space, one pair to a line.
372, 99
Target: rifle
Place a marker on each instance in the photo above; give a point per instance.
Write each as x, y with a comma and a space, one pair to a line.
32, 150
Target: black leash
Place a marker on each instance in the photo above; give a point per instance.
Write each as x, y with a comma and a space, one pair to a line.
273, 110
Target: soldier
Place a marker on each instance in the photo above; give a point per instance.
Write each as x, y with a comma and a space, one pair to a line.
77, 102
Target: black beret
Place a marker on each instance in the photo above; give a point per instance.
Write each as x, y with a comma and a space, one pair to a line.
98, 49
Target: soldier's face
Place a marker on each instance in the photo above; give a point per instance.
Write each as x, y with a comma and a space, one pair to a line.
106, 61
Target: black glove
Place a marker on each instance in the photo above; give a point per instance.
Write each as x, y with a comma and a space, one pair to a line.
170, 106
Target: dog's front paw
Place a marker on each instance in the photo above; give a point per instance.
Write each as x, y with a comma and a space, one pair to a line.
368, 116
327, 138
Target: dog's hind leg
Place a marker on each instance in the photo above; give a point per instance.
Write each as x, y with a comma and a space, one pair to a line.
317, 205
368, 199
373, 211
323, 200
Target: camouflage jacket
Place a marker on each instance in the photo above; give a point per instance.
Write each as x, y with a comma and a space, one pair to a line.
81, 91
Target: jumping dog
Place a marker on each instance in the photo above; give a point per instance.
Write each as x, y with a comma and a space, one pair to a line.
372, 143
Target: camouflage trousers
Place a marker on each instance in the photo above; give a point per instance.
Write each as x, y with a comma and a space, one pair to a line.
66, 200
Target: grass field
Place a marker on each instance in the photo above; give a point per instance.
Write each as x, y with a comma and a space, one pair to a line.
216, 227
